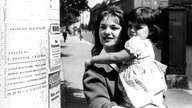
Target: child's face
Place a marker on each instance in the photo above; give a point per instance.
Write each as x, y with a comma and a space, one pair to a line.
109, 31
141, 30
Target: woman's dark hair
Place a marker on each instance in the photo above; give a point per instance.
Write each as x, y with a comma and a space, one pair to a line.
113, 11
150, 17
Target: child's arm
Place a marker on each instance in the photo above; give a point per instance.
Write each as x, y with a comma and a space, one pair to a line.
115, 57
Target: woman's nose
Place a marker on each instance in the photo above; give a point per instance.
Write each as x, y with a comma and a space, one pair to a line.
108, 30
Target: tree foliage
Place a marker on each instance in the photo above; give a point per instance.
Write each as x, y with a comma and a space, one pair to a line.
70, 11
94, 12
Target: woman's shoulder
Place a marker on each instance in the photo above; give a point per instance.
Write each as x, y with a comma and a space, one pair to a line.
98, 75
102, 71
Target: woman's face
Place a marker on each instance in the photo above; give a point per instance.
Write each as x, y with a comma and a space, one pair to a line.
109, 31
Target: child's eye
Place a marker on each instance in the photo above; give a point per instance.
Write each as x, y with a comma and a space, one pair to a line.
129, 26
138, 27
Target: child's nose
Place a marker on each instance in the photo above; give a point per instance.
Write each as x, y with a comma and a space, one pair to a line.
132, 29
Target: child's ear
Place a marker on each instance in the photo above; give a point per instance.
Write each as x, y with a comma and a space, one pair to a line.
151, 30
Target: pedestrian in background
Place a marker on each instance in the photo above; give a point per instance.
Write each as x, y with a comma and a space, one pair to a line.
64, 34
142, 77
100, 81
80, 34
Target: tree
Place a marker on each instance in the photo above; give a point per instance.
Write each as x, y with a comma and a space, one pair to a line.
94, 12
70, 11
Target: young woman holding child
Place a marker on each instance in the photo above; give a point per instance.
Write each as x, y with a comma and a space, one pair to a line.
142, 79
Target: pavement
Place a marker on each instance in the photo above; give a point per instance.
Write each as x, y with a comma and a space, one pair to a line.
73, 54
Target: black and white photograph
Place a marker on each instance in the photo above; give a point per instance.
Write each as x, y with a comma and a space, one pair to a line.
95, 54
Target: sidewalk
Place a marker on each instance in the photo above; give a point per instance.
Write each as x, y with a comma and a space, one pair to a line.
178, 98
73, 54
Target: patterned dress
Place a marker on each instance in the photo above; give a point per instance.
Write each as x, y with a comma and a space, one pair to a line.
142, 77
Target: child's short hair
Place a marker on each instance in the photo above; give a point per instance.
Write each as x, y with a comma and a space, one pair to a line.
150, 17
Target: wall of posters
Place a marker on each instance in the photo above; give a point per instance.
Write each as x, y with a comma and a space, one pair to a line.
29, 54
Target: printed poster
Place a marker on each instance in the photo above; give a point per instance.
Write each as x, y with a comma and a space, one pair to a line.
27, 77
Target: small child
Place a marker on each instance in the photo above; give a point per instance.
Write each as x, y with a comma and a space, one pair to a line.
142, 77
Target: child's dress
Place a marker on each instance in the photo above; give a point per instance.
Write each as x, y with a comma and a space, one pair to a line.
143, 77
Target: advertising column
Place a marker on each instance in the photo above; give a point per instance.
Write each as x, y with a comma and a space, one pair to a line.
29, 54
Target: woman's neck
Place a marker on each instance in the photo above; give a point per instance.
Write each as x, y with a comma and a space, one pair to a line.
110, 49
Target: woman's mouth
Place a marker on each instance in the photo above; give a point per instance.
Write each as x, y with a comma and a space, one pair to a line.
106, 38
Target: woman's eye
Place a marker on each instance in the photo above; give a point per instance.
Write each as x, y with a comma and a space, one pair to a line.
114, 28
103, 27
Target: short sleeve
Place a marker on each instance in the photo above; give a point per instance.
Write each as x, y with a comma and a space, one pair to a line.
136, 46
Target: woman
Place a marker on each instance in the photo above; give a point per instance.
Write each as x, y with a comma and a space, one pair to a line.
100, 80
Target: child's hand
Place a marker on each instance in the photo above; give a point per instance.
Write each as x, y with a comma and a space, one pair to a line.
88, 62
